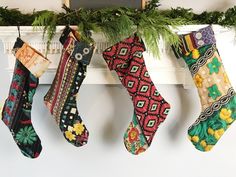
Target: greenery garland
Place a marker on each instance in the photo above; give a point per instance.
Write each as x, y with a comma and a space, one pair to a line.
151, 23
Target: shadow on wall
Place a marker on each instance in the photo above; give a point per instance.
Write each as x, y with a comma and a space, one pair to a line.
185, 111
42, 117
121, 115
106, 109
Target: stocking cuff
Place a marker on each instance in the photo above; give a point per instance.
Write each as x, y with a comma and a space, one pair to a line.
34, 61
125, 50
78, 50
194, 40
83, 52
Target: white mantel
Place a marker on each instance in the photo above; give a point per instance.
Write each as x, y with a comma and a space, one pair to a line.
166, 70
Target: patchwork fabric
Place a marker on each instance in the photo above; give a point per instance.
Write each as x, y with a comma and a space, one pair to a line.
194, 40
204, 36
61, 97
217, 96
16, 112
34, 61
150, 108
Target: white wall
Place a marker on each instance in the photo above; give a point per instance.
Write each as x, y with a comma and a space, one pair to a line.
107, 117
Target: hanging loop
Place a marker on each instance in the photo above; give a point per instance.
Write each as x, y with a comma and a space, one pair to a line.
18, 28
68, 21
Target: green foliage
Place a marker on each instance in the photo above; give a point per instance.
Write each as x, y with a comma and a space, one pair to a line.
151, 24
152, 5
229, 17
214, 17
182, 13
114, 23
15, 17
48, 20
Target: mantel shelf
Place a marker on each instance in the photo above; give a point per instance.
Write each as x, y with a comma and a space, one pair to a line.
166, 70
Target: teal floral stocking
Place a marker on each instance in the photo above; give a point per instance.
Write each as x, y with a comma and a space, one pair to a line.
16, 112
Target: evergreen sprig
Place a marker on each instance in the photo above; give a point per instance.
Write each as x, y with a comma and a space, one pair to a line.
118, 23
151, 23
50, 19
15, 17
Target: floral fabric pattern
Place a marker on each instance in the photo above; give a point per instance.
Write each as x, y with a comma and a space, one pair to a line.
217, 96
214, 66
69, 135
26, 135
78, 128
134, 139
198, 80
214, 92
16, 112
206, 134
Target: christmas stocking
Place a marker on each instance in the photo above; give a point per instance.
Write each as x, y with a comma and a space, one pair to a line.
61, 97
218, 101
150, 109
16, 113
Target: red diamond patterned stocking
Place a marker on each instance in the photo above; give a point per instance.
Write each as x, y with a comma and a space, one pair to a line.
150, 108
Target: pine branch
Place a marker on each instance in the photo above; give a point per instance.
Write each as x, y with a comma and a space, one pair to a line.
48, 20
150, 23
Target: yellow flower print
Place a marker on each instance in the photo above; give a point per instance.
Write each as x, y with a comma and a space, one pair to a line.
210, 131
195, 139
78, 128
195, 54
219, 133
229, 120
198, 80
208, 147
226, 79
69, 135
225, 113
203, 143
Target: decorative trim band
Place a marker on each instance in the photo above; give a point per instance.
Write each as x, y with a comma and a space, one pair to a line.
215, 107
202, 60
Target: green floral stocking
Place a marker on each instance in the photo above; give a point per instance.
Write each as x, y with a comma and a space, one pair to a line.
217, 98
216, 93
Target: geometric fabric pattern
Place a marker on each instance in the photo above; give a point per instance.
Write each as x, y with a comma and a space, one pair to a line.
218, 101
61, 97
16, 112
194, 40
150, 108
